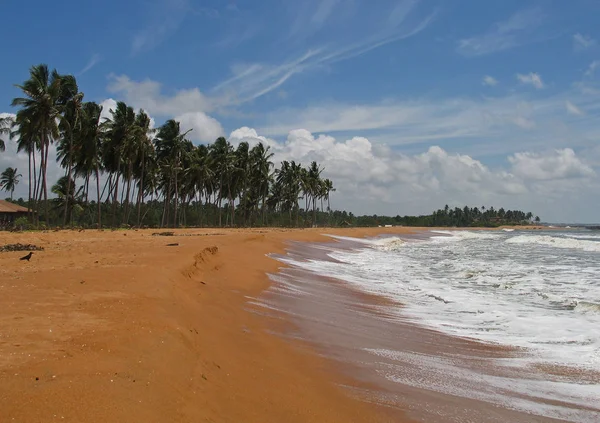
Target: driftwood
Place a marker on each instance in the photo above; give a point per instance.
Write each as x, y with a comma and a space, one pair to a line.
20, 247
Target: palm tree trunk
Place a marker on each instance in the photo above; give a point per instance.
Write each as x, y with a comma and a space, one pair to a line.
115, 197
140, 191
68, 180
126, 213
29, 208
45, 183
33, 204
98, 199
176, 198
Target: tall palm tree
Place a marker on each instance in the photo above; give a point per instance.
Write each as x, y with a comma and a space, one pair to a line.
9, 179
28, 140
66, 194
328, 187
199, 175
223, 161
169, 143
314, 186
143, 152
71, 101
5, 125
119, 129
261, 166
88, 158
42, 105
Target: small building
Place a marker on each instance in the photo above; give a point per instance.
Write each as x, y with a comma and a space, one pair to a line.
9, 212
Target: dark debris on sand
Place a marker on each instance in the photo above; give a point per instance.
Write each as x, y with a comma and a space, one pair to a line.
20, 247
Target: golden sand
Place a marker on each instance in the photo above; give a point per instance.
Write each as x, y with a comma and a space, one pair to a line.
116, 326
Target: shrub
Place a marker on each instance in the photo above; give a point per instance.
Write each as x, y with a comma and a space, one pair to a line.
22, 223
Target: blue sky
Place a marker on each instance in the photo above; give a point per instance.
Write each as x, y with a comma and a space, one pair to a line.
458, 102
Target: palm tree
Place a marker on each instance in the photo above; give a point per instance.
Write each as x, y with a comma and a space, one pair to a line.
199, 174
9, 179
328, 187
143, 152
118, 131
28, 140
41, 106
70, 126
223, 158
314, 186
5, 124
88, 157
169, 143
66, 196
260, 169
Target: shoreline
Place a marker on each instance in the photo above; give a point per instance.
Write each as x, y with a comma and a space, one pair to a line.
325, 307
145, 332
116, 326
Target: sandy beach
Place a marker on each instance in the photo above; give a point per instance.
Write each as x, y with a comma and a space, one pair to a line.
112, 326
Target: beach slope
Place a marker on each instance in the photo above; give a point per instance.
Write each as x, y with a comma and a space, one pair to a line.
112, 326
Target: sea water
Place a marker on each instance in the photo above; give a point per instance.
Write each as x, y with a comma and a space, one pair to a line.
538, 291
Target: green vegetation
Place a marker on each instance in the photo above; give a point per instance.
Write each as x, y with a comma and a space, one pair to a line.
9, 179
146, 177
158, 178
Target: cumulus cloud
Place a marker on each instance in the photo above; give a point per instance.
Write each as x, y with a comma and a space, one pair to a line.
147, 95
204, 128
374, 178
188, 106
572, 109
531, 78
489, 81
553, 165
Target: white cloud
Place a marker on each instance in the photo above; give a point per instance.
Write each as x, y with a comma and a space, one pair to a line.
592, 68
94, 60
250, 81
147, 95
554, 165
489, 81
186, 106
515, 31
204, 128
166, 18
422, 120
531, 78
582, 42
373, 178
523, 122
324, 9
573, 109
111, 104
107, 105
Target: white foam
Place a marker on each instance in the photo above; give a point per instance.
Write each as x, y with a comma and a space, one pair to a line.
557, 242
500, 287
463, 235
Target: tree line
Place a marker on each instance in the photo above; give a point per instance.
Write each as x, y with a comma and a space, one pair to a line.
153, 177
469, 217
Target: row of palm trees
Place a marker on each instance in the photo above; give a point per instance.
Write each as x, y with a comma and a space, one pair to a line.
131, 164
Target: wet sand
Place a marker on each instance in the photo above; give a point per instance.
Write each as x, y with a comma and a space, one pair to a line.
116, 326
436, 377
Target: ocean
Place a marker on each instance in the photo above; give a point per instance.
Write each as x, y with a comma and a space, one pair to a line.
502, 320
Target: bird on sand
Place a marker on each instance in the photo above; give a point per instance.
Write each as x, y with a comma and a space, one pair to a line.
27, 257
